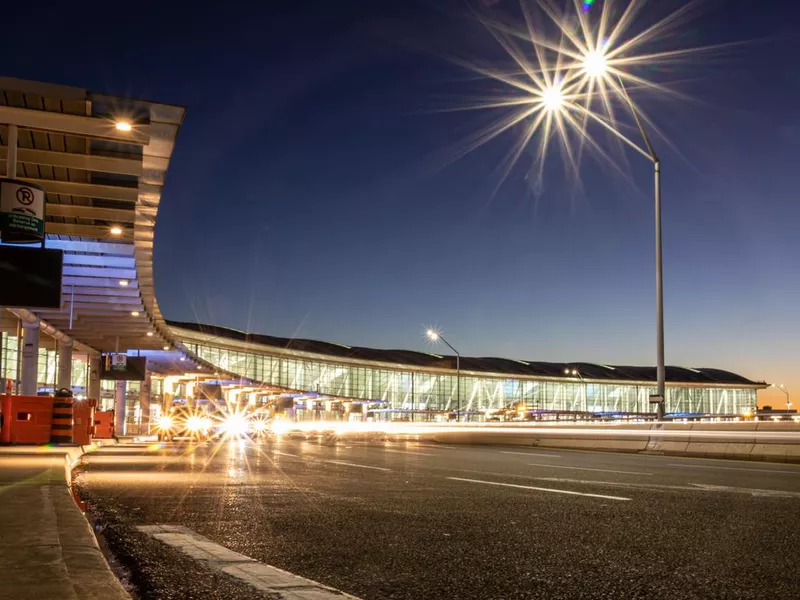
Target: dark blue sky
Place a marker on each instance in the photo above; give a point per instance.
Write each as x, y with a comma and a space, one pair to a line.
310, 192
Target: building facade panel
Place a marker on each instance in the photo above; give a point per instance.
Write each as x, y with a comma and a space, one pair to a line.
407, 390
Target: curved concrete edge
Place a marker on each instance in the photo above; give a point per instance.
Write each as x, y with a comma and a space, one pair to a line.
88, 569
742, 447
47, 547
86, 566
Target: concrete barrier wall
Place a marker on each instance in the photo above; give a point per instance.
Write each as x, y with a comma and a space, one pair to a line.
777, 442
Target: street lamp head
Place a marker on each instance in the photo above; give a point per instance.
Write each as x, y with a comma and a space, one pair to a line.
595, 63
553, 98
574, 371
566, 371
432, 334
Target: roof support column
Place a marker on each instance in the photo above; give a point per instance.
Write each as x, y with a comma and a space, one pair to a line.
30, 358
11, 173
121, 390
64, 380
167, 396
144, 400
93, 382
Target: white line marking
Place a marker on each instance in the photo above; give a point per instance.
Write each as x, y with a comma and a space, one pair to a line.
587, 469
262, 577
697, 487
531, 454
289, 454
733, 468
751, 491
349, 464
408, 452
539, 489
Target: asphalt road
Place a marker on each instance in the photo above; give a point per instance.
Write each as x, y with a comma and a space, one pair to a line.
408, 522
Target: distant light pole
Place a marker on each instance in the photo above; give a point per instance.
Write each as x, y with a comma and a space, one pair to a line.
576, 373
435, 336
782, 388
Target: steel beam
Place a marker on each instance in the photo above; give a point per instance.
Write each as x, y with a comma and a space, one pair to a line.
98, 260
90, 190
73, 124
78, 211
72, 160
97, 232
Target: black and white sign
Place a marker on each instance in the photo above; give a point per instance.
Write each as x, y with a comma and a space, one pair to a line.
119, 362
21, 211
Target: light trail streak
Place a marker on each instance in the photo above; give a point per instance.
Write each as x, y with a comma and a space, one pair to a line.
685, 465
388, 428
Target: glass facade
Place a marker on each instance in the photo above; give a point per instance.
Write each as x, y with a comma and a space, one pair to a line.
405, 390
47, 368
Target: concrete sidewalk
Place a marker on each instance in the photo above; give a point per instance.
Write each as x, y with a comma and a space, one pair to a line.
47, 548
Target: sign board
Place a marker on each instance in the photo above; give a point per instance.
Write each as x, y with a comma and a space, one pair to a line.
30, 277
656, 399
134, 368
119, 362
21, 211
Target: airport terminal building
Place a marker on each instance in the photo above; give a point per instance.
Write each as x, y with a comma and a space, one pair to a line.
405, 384
100, 164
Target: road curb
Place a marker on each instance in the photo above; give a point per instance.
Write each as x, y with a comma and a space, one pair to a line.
49, 549
91, 569
657, 439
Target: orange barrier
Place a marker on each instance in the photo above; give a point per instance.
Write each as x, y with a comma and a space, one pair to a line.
26, 419
82, 421
61, 428
104, 424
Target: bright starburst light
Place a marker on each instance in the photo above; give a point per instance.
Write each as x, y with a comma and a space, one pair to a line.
572, 73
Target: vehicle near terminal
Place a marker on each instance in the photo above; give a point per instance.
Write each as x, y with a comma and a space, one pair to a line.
184, 422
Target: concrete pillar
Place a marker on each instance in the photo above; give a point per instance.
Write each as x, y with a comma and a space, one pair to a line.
64, 379
119, 406
30, 358
167, 403
144, 401
168, 394
93, 384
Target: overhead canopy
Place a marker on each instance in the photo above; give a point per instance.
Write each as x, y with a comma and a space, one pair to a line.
103, 182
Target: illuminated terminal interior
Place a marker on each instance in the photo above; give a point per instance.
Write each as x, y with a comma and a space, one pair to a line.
403, 384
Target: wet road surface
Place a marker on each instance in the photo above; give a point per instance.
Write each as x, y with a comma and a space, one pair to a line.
404, 521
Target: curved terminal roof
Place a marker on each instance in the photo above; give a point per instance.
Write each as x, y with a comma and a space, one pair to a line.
410, 359
103, 187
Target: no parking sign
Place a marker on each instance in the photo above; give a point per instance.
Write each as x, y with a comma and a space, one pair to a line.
21, 211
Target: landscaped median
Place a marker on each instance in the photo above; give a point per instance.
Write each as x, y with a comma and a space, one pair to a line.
768, 441
47, 547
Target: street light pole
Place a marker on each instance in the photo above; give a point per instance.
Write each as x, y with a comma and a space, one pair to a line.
782, 388
436, 336
660, 368
576, 373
